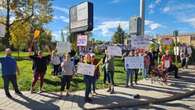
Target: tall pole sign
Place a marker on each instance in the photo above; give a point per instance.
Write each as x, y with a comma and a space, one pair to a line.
142, 15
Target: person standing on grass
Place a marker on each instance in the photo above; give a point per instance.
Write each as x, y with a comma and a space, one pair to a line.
104, 69
94, 61
168, 65
129, 72
40, 68
88, 80
109, 64
9, 69
67, 73
146, 64
55, 61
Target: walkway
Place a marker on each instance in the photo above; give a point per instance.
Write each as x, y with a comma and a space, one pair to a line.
150, 93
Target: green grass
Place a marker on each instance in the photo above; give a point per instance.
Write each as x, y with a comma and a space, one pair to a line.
53, 83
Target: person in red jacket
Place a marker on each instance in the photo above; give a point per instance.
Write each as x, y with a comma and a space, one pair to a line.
168, 65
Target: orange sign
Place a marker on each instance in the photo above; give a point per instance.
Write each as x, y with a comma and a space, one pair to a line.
37, 34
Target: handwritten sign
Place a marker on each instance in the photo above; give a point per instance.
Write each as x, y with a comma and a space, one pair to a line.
140, 42
82, 40
134, 62
114, 51
86, 69
63, 47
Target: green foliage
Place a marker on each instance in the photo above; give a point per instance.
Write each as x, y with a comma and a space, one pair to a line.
119, 35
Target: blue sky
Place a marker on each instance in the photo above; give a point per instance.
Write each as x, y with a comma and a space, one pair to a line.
162, 16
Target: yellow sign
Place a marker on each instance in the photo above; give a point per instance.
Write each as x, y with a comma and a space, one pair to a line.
37, 34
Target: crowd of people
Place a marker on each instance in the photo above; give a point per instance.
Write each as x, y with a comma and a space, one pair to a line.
65, 67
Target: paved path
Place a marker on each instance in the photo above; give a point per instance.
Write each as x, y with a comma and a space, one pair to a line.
123, 97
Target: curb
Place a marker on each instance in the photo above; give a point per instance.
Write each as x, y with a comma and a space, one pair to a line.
145, 103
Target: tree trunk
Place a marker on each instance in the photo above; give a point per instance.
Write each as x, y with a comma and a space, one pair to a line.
7, 34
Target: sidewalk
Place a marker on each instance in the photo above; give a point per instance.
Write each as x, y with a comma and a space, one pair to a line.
123, 97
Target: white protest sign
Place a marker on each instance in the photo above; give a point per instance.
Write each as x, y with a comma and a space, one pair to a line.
82, 40
140, 42
114, 51
63, 47
86, 69
136, 62
2, 30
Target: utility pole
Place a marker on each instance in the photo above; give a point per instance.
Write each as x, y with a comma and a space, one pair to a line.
142, 15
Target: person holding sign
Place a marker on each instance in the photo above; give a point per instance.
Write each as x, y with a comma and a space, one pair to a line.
39, 68
67, 73
109, 64
129, 71
88, 80
168, 65
94, 61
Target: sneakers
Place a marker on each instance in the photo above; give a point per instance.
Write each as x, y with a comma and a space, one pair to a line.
112, 91
19, 93
94, 94
9, 96
109, 90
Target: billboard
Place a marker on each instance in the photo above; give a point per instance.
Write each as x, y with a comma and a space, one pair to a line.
81, 17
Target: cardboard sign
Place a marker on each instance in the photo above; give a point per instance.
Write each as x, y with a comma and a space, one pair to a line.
63, 47
134, 62
37, 34
2, 30
140, 42
86, 69
114, 51
82, 40
167, 63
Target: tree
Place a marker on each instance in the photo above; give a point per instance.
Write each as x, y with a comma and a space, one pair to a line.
119, 36
24, 11
20, 35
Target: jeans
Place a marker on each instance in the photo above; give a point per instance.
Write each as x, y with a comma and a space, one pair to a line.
94, 82
7, 79
56, 69
110, 77
173, 68
104, 68
146, 69
136, 74
130, 73
65, 81
88, 82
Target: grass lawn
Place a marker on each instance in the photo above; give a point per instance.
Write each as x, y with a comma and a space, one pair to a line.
53, 83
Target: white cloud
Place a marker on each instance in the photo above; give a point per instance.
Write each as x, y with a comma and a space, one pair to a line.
166, 9
62, 9
153, 5
190, 21
62, 18
106, 27
152, 25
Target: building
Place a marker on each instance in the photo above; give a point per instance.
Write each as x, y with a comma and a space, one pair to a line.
188, 38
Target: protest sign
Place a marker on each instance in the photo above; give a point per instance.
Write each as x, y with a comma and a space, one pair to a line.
140, 42
37, 34
136, 62
176, 50
2, 30
114, 51
63, 47
82, 40
86, 69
